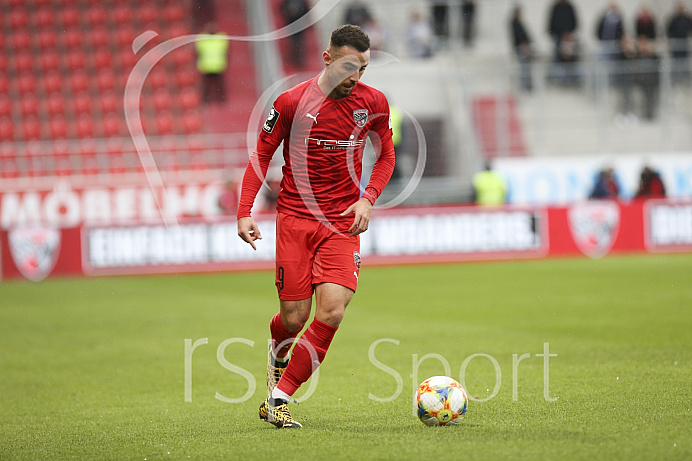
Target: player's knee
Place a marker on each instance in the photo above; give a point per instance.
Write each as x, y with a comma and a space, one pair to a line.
331, 317
295, 321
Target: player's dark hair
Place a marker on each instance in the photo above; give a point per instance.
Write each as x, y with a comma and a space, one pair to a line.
351, 36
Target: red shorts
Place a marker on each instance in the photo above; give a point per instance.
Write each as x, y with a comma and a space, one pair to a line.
309, 252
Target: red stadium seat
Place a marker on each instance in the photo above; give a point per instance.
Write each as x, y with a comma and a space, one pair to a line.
3, 62
174, 13
31, 128
19, 18
96, 14
44, 18
148, 14
189, 98
111, 125
56, 104
124, 37
79, 80
21, 39
121, 14
186, 77
106, 79
73, 38
82, 103
47, 39
102, 58
85, 126
192, 122
109, 102
50, 60
26, 82
99, 37
4, 84
6, 129
5, 105
76, 59
58, 127
157, 77
24, 61
164, 123
127, 59
162, 100
29, 104
89, 164
53, 81
70, 16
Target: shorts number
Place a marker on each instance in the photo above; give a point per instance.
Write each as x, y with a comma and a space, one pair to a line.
281, 277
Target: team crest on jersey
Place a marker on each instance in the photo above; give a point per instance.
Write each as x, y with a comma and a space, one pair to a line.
34, 251
594, 226
360, 116
356, 259
271, 120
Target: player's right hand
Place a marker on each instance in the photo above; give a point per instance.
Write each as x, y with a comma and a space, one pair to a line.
248, 231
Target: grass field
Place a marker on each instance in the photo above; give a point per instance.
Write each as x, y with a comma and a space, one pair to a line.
95, 368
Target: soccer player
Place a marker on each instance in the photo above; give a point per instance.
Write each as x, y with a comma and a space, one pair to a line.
323, 124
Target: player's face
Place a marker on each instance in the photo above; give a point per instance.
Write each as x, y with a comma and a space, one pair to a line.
345, 66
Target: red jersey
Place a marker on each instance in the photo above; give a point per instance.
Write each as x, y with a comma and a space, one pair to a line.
323, 141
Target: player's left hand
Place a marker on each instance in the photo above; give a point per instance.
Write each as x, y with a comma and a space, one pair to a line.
361, 211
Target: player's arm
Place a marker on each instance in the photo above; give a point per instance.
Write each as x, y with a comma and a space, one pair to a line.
255, 172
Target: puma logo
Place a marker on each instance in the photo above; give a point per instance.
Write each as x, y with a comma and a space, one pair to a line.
314, 117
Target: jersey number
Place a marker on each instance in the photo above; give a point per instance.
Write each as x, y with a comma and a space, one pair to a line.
281, 277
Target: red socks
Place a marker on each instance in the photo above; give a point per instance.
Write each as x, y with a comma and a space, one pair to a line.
280, 336
311, 346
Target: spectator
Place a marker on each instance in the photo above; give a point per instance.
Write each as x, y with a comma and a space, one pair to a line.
645, 24
419, 36
679, 31
292, 10
648, 71
650, 184
566, 70
562, 21
212, 61
377, 34
609, 32
468, 17
606, 186
489, 187
439, 15
521, 42
357, 14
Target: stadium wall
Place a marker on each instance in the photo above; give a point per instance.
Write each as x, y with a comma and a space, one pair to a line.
100, 247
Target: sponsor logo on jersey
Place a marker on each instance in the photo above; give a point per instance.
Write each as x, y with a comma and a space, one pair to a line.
360, 116
335, 144
34, 250
594, 226
271, 120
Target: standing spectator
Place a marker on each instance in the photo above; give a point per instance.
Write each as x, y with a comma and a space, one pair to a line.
606, 186
627, 81
419, 36
377, 34
489, 187
562, 20
468, 17
610, 31
650, 184
521, 42
212, 61
292, 10
679, 31
645, 24
648, 72
439, 15
357, 14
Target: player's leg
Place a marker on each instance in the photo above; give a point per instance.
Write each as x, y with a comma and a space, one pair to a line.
284, 328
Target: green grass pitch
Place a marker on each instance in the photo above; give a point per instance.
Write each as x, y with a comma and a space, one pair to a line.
95, 368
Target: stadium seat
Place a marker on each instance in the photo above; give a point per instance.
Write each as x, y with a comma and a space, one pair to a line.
186, 77
29, 104
21, 39
189, 98
121, 15
31, 128
69, 16
102, 58
162, 100
3, 62
82, 103
6, 129
44, 18
109, 101
27, 82
106, 79
5, 105
58, 127
76, 59
47, 39
50, 60
52, 81
89, 164
99, 37
164, 123
111, 125
85, 126
56, 104
19, 18
192, 122
96, 15
147, 14
127, 59
73, 38
174, 13
158, 78
4, 84
79, 80
23, 61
